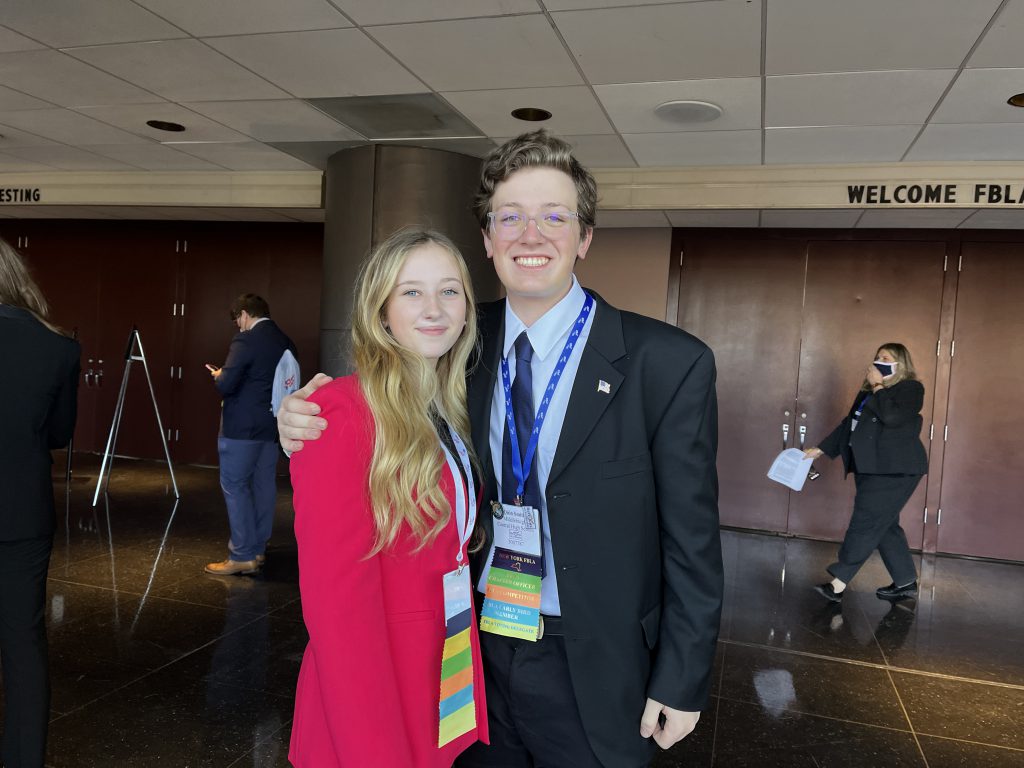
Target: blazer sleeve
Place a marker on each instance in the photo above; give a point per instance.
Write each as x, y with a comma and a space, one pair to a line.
683, 451
831, 446
61, 423
341, 589
898, 405
232, 373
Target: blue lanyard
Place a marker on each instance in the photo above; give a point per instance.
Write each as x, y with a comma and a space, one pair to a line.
521, 464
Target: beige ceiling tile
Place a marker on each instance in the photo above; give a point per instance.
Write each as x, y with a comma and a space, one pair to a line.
937, 218
978, 141
247, 156
12, 41
979, 96
67, 127
63, 23
69, 158
601, 151
133, 117
369, 12
1001, 45
684, 41
854, 98
695, 148
290, 120
631, 105
204, 18
811, 219
712, 218
153, 157
842, 144
478, 54
573, 110
623, 219
179, 70
12, 164
10, 99
339, 62
807, 36
12, 137
56, 77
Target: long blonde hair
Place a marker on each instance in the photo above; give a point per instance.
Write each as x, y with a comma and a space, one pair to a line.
904, 370
406, 394
18, 289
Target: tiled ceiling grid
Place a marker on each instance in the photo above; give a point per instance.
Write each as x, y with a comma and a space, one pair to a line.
265, 85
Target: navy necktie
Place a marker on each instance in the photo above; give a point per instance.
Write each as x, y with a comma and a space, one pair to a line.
522, 406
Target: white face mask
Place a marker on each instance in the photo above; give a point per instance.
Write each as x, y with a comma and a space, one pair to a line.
886, 369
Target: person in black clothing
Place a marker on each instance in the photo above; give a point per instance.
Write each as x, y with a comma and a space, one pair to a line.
38, 396
880, 442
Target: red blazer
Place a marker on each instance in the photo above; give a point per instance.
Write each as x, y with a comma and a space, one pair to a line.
370, 680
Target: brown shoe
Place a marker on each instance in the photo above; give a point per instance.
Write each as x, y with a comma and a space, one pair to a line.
231, 567
260, 560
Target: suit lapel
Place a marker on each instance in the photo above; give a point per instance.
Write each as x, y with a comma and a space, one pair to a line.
481, 382
588, 401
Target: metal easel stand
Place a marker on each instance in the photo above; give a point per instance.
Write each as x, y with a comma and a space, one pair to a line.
130, 356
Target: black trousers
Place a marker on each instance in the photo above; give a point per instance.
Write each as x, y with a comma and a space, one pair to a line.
875, 524
531, 708
25, 670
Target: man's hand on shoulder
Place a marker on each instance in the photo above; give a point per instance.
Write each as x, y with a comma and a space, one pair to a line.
678, 724
297, 419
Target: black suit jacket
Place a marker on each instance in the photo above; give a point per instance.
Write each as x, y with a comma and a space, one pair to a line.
632, 500
38, 401
887, 440
246, 380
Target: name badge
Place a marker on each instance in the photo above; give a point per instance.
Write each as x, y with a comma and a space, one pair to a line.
513, 580
457, 706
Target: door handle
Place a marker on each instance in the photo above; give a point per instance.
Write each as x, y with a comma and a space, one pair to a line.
785, 436
803, 435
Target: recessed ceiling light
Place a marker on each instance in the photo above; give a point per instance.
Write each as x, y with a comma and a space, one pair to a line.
688, 111
1017, 100
531, 114
163, 125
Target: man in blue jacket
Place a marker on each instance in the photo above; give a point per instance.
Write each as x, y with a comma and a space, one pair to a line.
248, 436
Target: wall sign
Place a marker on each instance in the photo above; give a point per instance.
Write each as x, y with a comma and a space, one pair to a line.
978, 194
20, 195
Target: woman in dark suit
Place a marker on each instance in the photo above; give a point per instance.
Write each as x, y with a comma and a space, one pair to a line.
38, 391
880, 442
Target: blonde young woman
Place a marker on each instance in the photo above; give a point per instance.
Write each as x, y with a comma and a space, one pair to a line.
880, 442
384, 509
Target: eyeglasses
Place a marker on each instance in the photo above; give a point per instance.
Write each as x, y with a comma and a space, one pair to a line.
509, 225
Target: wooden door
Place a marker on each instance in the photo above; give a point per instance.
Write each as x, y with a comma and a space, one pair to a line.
67, 269
984, 461
859, 296
743, 298
137, 290
219, 265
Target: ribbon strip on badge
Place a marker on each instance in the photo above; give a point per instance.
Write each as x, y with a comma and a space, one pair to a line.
513, 578
456, 701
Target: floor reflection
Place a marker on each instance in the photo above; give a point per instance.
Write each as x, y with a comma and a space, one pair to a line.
156, 663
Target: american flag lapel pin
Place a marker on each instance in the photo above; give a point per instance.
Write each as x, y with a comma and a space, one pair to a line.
604, 386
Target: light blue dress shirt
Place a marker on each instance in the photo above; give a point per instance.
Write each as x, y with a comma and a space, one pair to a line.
547, 337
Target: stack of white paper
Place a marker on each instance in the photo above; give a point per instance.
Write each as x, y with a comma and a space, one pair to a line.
790, 468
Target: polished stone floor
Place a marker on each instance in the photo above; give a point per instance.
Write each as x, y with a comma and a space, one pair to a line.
155, 663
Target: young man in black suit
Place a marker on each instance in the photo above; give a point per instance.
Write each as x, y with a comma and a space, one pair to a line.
38, 402
624, 486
